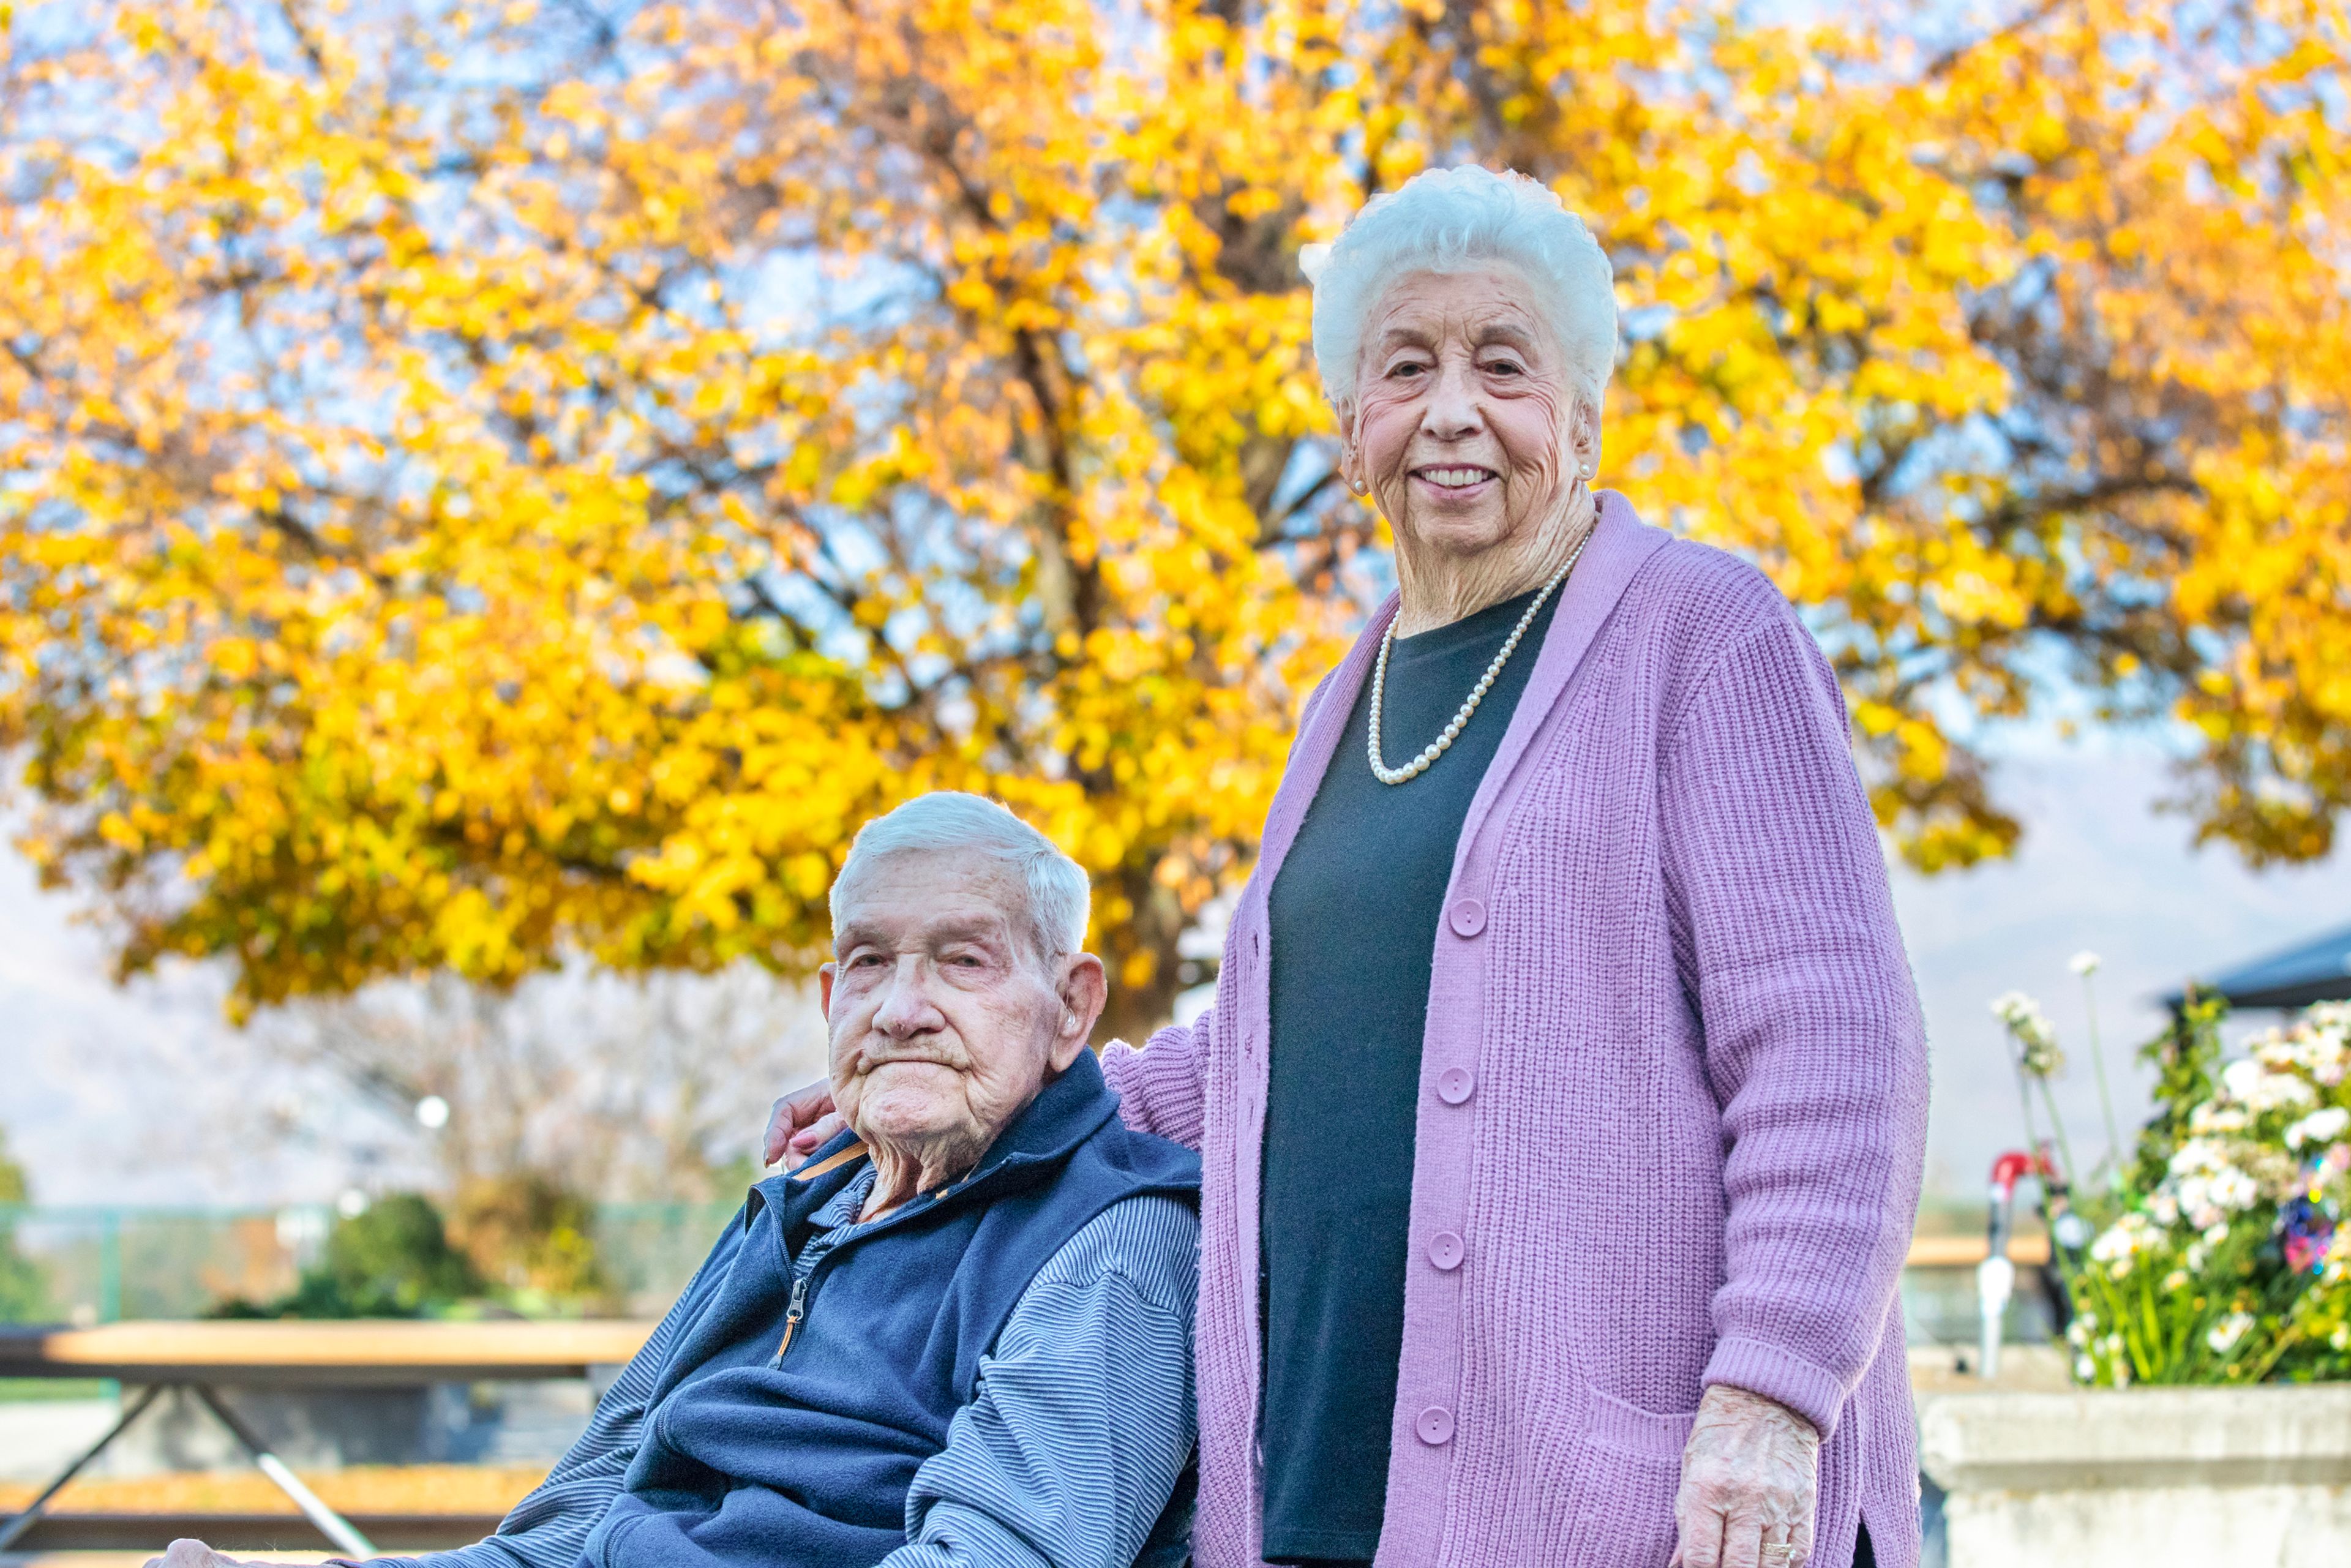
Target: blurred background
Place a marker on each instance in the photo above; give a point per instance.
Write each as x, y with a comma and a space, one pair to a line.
496, 493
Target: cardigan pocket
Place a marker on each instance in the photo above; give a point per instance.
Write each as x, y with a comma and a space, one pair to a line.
1611, 1423
1627, 1469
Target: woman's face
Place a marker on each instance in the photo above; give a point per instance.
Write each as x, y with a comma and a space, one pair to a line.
1465, 426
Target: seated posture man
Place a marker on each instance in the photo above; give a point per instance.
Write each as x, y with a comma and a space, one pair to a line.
960, 1334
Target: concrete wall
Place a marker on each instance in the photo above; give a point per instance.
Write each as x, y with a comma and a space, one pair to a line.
2159, 1478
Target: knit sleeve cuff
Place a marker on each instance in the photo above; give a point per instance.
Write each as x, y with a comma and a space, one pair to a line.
1813, 1392
1121, 1063
1158, 1087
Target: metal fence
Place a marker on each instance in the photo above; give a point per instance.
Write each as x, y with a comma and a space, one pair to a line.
100, 1263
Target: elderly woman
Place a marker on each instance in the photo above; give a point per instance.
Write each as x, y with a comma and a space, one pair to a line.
1563, 1099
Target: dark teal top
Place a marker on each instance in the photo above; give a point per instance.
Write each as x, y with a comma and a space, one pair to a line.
1353, 916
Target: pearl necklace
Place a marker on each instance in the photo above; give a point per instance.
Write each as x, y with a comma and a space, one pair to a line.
1444, 743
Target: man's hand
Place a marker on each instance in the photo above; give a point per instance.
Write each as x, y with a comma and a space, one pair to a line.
188, 1553
1750, 1476
797, 1127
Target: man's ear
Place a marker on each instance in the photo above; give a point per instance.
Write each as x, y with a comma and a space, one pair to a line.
1084, 991
824, 974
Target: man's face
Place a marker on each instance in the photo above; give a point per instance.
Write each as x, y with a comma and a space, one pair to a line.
945, 1023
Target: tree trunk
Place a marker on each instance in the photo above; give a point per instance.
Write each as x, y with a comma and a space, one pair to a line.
1145, 971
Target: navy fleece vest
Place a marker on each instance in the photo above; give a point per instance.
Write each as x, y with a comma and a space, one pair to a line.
754, 1460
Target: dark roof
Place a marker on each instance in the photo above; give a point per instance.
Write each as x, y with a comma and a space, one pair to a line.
2316, 971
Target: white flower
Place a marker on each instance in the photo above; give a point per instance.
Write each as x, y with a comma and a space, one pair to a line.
2130, 1235
2258, 1089
2084, 1369
2233, 1188
2165, 1208
2319, 1127
2085, 963
2176, 1280
2036, 1038
2278, 1047
2228, 1332
2341, 1338
2217, 1234
2216, 1117
2197, 1156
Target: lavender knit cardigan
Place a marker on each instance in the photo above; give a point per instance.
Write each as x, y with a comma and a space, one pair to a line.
1673, 1095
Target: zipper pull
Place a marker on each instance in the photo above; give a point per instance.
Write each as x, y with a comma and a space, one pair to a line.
794, 1311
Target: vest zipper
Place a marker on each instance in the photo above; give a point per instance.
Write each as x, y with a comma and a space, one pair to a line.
794, 1311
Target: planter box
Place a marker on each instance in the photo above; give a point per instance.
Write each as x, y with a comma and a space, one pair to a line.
2156, 1477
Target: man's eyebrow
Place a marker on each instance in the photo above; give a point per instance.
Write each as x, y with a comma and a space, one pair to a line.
847, 936
969, 930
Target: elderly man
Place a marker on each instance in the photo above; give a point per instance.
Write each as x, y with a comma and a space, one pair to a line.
961, 1334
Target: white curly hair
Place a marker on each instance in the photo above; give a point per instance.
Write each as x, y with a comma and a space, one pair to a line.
1451, 220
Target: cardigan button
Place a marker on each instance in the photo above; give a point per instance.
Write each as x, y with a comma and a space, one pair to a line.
1454, 1084
1446, 1251
1469, 917
1435, 1426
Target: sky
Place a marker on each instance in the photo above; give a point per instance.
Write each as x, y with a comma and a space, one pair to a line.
144, 1094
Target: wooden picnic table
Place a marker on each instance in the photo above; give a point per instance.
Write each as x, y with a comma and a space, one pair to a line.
202, 1357
282, 1353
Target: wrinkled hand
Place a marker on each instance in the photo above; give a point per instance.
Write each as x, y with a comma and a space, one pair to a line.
797, 1127
189, 1554
1749, 1479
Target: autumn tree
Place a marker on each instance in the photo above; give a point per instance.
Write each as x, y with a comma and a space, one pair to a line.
493, 484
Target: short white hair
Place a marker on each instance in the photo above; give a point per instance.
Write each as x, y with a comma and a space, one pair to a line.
1454, 220
946, 820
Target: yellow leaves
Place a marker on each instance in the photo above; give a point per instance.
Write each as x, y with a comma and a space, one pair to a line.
234, 657
554, 526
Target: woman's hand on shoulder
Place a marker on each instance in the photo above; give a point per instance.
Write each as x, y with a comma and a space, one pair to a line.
800, 1124
1750, 1479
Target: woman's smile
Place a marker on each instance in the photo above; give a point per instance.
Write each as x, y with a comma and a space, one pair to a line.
1458, 483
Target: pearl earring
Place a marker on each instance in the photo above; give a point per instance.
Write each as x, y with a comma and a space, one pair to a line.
1584, 469
1359, 487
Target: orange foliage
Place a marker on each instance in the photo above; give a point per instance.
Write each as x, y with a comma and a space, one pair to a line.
485, 488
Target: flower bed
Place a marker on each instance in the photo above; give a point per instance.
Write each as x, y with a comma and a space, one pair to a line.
2216, 1262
